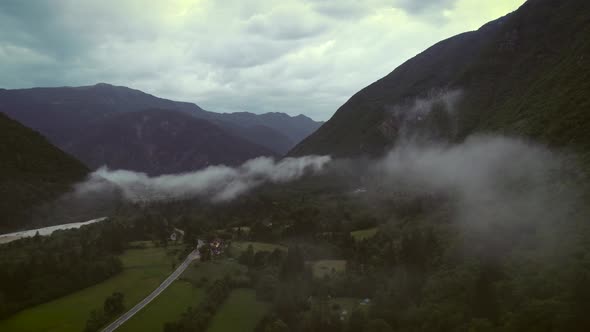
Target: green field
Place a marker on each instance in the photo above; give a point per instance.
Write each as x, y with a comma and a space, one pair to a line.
212, 270
144, 270
364, 233
346, 303
342, 306
165, 308
237, 247
240, 312
244, 229
328, 267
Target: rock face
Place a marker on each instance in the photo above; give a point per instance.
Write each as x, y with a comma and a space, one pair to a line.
523, 74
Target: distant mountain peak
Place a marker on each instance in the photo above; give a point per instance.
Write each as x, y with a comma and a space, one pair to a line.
102, 84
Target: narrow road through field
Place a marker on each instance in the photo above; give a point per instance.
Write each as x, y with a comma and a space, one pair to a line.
126, 316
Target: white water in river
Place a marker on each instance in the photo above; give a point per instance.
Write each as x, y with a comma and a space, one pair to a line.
5, 238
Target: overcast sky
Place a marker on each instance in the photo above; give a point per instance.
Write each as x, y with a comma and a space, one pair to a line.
228, 55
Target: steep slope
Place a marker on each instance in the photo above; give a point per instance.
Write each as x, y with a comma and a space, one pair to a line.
32, 171
64, 113
296, 128
527, 73
161, 142
264, 136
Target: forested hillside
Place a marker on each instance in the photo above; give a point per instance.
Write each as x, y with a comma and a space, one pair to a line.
32, 171
527, 73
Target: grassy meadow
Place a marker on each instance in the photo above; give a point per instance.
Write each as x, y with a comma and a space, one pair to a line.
240, 312
166, 307
144, 269
364, 233
200, 273
238, 247
328, 267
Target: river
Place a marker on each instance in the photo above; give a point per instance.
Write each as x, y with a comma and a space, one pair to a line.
44, 231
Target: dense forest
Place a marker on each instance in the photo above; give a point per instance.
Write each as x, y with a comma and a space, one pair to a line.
517, 75
32, 172
38, 269
422, 269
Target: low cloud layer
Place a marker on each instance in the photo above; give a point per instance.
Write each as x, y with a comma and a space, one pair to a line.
217, 183
492, 182
429, 117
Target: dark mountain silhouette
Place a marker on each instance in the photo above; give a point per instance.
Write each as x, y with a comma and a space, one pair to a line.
527, 73
32, 172
295, 128
64, 114
161, 142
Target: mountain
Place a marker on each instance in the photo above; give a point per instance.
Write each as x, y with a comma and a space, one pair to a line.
64, 113
263, 136
296, 128
161, 142
32, 171
527, 74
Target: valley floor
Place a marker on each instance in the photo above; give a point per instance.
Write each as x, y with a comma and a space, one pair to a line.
144, 270
240, 312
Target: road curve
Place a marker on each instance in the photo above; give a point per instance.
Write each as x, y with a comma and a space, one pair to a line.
126, 316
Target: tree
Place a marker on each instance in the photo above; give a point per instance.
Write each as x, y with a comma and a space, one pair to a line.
266, 287
113, 305
357, 320
322, 319
294, 265
277, 326
276, 257
260, 258
247, 257
205, 252
95, 321
378, 325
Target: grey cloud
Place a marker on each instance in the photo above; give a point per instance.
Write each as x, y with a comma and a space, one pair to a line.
291, 56
284, 26
419, 7
241, 52
343, 9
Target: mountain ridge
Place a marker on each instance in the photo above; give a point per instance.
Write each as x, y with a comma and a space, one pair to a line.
72, 117
510, 71
57, 112
157, 142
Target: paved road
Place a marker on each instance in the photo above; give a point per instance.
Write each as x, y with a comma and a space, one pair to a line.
126, 316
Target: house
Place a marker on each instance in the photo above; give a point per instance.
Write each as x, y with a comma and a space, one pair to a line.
217, 245
343, 315
177, 234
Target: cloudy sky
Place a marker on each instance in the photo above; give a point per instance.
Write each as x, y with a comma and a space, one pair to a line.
306, 56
